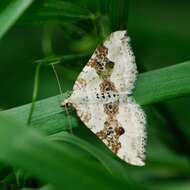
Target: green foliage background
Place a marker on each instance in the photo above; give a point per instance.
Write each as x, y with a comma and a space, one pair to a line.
45, 154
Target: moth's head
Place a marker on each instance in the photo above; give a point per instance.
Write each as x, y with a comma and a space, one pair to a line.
66, 103
67, 100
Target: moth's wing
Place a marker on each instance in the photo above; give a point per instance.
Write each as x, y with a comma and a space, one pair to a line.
130, 146
130, 116
87, 80
122, 75
132, 119
92, 116
87, 85
119, 52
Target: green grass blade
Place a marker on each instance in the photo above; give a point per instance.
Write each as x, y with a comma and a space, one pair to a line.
55, 11
48, 116
151, 87
163, 84
35, 92
50, 161
10, 14
113, 166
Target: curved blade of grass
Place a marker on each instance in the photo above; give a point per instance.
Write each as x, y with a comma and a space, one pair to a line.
51, 162
56, 11
11, 13
113, 166
153, 86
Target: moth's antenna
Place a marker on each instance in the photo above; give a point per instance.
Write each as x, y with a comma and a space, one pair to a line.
47, 48
61, 92
57, 78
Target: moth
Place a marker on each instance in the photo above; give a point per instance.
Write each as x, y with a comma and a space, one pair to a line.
102, 97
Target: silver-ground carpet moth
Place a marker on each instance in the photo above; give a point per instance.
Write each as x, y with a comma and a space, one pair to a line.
102, 98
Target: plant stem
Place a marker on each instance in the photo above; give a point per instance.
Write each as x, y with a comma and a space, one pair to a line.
35, 92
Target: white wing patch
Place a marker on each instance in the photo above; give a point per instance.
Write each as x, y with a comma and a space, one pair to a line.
101, 99
124, 73
133, 142
92, 115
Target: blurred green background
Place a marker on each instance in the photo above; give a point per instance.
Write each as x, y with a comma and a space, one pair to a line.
160, 37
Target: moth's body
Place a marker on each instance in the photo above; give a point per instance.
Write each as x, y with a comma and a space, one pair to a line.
83, 97
101, 97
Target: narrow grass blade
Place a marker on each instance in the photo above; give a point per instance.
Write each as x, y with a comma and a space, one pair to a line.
55, 11
114, 167
50, 161
10, 14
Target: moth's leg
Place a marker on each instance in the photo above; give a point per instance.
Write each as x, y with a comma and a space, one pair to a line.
66, 105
